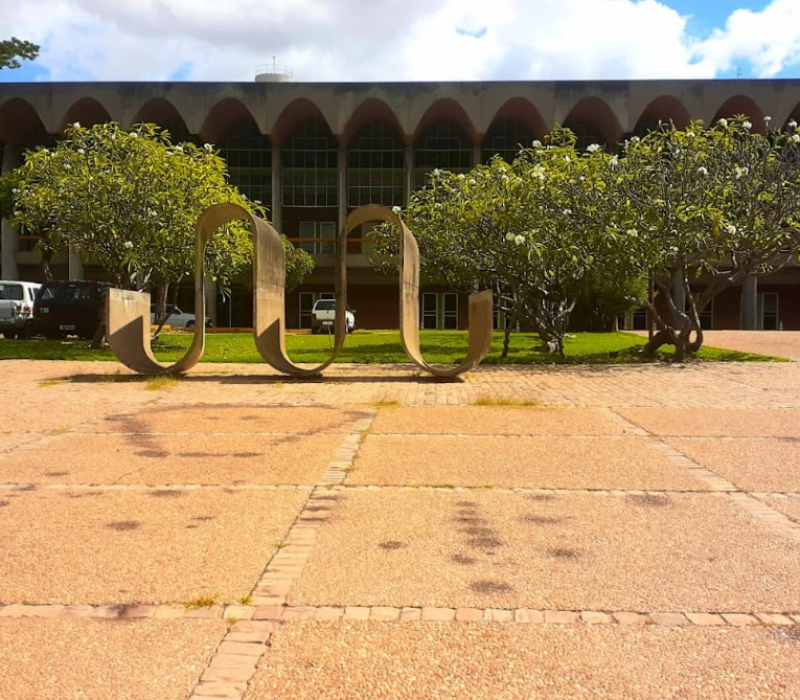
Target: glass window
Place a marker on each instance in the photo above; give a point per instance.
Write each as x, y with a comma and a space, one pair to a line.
11, 292
309, 162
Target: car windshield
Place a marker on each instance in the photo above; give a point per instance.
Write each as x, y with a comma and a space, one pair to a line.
12, 292
71, 292
325, 305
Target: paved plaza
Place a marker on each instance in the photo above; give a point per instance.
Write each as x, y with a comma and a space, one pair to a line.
521, 533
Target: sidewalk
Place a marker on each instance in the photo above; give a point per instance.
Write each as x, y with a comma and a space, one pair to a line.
376, 534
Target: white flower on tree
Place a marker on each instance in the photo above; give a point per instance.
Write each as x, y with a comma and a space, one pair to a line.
593, 147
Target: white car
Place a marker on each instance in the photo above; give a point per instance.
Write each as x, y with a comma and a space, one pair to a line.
178, 318
16, 307
323, 314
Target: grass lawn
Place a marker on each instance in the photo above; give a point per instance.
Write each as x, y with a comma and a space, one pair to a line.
371, 347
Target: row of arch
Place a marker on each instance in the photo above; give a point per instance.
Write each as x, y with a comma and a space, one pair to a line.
591, 118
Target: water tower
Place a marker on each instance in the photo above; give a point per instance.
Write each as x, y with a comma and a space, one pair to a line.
273, 73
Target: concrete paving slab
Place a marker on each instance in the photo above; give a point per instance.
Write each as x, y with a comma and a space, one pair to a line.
678, 552
383, 661
161, 546
49, 417
297, 420
491, 420
537, 462
752, 464
46, 659
789, 505
715, 422
775, 343
145, 458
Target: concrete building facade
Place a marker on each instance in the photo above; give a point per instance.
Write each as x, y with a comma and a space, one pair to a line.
313, 152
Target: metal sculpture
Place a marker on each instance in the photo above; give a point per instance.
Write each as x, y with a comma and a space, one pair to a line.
128, 313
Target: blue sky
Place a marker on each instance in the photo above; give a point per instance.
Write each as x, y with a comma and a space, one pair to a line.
356, 40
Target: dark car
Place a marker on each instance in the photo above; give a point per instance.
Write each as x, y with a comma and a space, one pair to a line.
69, 308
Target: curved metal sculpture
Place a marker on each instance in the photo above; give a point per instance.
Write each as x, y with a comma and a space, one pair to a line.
128, 313
480, 303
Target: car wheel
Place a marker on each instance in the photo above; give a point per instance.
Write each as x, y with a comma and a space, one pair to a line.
190, 324
9, 335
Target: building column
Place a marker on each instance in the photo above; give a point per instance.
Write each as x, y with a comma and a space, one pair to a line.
476, 156
9, 232
75, 265
750, 304
679, 292
409, 173
275, 214
342, 185
210, 293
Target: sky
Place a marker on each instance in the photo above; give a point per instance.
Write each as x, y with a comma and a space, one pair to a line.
405, 40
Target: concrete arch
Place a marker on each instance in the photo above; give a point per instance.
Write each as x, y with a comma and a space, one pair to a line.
666, 109
298, 112
593, 117
368, 112
794, 114
521, 110
223, 115
162, 112
88, 111
741, 104
20, 123
446, 110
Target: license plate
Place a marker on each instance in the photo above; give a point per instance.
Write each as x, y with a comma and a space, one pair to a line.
66, 328
327, 323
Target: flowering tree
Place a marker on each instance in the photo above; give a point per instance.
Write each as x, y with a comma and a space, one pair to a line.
129, 200
708, 207
530, 231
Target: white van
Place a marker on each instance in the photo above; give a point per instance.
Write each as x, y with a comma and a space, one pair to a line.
16, 308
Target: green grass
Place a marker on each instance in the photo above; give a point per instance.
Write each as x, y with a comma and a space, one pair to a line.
370, 347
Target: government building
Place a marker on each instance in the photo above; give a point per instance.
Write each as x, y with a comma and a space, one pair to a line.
312, 152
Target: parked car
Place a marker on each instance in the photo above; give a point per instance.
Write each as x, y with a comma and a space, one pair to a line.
323, 314
177, 318
16, 308
65, 308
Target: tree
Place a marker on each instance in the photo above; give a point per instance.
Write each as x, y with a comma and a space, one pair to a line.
709, 208
529, 231
129, 199
12, 49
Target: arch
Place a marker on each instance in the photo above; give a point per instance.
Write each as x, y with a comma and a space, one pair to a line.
516, 124
19, 123
446, 110
369, 112
297, 112
88, 111
793, 115
593, 121
741, 104
665, 109
522, 111
220, 119
480, 303
162, 112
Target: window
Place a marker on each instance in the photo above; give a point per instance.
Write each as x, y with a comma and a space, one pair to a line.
440, 311
309, 168
318, 237
505, 138
249, 160
445, 147
307, 300
768, 311
376, 168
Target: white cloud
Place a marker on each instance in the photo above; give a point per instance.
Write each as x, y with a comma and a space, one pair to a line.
344, 40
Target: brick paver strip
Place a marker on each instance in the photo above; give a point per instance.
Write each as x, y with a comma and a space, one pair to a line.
262, 621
